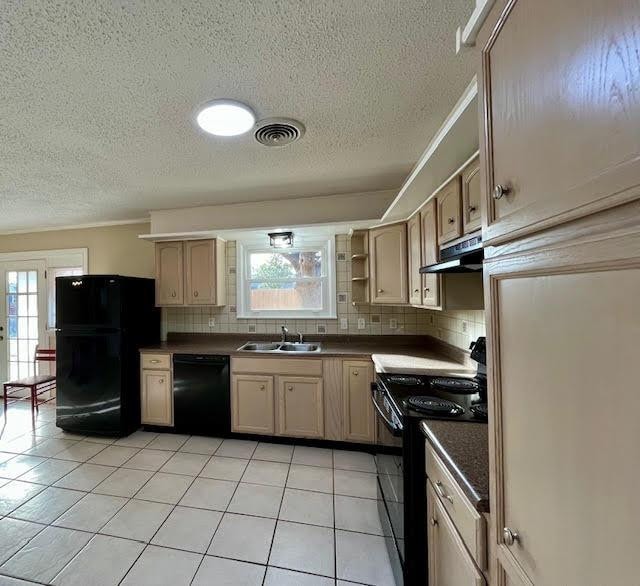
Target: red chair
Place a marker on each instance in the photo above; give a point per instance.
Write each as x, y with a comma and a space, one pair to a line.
37, 384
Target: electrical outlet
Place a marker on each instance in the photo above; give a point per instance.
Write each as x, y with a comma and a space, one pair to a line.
361, 323
375, 319
465, 327
252, 329
344, 323
342, 297
393, 324
212, 322
321, 329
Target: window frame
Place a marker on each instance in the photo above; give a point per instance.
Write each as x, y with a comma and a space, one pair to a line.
328, 280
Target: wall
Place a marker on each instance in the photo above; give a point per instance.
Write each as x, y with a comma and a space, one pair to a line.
448, 326
112, 249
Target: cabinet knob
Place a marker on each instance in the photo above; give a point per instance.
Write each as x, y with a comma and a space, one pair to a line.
451, 220
355, 373
161, 381
380, 290
499, 191
289, 388
433, 521
472, 209
195, 293
262, 387
416, 290
510, 536
427, 289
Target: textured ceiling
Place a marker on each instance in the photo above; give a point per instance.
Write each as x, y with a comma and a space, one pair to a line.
97, 100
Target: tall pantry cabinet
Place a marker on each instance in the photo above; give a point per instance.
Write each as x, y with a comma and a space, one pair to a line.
560, 164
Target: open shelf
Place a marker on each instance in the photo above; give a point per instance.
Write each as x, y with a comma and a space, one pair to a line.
359, 266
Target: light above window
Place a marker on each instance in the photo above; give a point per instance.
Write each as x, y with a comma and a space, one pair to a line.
226, 118
281, 239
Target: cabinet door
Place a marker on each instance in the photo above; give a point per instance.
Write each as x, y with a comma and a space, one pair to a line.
561, 111
156, 397
471, 197
200, 272
300, 407
415, 259
449, 212
388, 264
449, 561
169, 273
429, 236
564, 384
358, 414
252, 406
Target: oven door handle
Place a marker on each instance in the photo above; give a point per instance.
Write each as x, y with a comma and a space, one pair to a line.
395, 430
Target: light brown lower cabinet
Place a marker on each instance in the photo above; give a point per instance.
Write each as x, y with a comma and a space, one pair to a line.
300, 406
358, 416
156, 397
252, 404
450, 564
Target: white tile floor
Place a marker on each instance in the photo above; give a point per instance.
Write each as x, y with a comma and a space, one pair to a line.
155, 509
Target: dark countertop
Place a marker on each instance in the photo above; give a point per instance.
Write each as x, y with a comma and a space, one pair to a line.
422, 347
464, 449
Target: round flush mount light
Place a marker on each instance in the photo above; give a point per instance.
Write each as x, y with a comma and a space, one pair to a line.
225, 118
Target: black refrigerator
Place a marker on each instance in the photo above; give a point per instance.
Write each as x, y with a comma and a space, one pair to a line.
101, 322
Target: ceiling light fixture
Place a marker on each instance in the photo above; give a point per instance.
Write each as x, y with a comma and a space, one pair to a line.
281, 239
226, 118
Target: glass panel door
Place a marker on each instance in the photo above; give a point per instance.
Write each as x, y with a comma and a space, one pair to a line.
22, 317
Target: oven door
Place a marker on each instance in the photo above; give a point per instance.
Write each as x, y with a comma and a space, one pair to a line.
389, 470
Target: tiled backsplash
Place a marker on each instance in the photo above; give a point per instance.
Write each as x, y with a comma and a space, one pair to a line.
378, 320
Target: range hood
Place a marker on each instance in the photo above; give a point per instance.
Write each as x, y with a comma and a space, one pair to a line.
463, 257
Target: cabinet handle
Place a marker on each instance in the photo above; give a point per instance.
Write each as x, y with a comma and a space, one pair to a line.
154, 361
173, 294
499, 191
472, 209
380, 290
289, 388
510, 536
195, 293
433, 521
451, 220
441, 493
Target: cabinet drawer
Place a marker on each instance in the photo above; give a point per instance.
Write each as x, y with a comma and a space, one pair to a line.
300, 366
469, 523
155, 361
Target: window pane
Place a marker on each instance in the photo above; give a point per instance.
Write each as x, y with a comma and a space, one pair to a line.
33, 305
23, 351
23, 327
13, 350
24, 369
12, 304
22, 305
287, 296
22, 282
33, 328
13, 327
13, 371
285, 265
12, 282
33, 281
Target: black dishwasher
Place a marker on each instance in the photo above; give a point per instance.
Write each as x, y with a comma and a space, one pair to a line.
201, 394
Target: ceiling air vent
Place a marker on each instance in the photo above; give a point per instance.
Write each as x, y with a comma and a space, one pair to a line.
277, 132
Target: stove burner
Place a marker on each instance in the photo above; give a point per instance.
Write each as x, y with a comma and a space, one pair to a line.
455, 385
435, 405
481, 410
408, 381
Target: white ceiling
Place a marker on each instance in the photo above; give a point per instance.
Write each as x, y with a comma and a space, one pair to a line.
97, 100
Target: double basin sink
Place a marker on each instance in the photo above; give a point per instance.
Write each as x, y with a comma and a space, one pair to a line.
278, 347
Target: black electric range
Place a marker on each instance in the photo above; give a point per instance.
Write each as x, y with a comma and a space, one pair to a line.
401, 402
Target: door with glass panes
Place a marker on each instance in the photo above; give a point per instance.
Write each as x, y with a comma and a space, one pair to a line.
22, 316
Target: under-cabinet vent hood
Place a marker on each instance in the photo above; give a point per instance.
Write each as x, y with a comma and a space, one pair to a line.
463, 257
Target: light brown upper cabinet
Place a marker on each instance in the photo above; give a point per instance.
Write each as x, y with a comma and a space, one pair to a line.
252, 404
169, 273
388, 264
415, 259
560, 99
449, 211
300, 406
358, 414
471, 196
429, 237
191, 272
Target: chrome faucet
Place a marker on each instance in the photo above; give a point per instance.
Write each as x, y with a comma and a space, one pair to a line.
285, 331
300, 337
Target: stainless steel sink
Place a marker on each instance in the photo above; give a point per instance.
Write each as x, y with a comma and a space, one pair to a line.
276, 347
260, 346
300, 347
